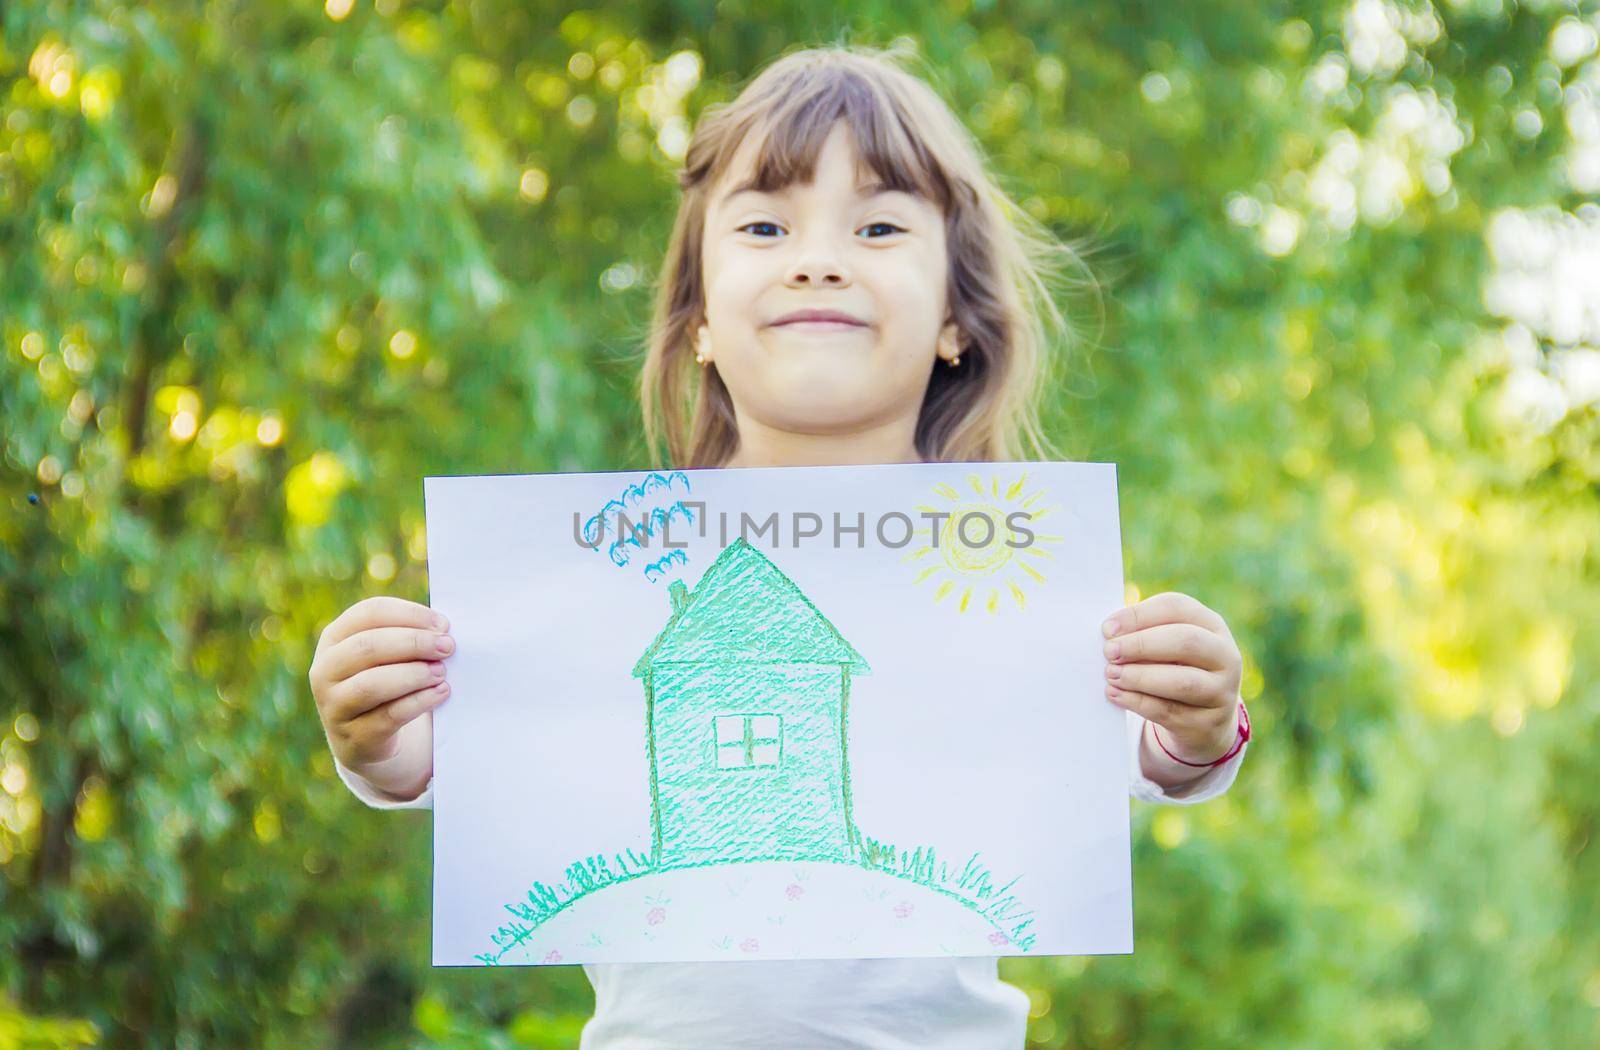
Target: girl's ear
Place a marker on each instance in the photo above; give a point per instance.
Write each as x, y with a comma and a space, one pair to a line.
949, 345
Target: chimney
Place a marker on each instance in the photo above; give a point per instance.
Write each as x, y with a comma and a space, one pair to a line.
679, 595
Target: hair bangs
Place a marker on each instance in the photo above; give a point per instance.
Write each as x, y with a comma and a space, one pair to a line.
790, 137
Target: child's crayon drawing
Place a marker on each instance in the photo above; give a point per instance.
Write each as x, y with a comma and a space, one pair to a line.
778, 713
747, 692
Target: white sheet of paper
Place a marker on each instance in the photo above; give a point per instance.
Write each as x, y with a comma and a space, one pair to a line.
794, 743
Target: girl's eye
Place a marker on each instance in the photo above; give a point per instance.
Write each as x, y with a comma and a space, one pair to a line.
891, 226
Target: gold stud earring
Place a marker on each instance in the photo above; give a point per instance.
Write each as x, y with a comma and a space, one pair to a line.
955, 362
700, 353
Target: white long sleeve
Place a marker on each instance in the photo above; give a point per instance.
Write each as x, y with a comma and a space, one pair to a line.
1209, 784
366, 792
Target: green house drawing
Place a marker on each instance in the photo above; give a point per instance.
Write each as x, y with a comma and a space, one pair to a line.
747, 694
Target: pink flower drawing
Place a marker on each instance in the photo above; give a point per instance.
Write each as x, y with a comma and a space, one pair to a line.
749, 944
795, 891
656, 915
553, 957
903, 910
997, 939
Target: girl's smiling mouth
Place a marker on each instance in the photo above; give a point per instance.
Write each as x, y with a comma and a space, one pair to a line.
819, 319
820, 327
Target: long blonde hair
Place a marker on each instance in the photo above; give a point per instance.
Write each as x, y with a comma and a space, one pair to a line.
1002, 261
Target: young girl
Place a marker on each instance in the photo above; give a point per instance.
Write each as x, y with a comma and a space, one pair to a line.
845, 284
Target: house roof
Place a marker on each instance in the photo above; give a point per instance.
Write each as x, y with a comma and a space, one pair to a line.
745, 610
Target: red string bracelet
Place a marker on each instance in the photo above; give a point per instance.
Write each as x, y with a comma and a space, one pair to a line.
1238, 743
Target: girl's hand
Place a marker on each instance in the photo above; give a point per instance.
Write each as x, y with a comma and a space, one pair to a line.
1174, 661
378, 666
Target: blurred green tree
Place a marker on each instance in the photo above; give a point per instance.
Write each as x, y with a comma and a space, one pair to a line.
266, 266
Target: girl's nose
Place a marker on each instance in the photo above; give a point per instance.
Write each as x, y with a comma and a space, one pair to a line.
816, 268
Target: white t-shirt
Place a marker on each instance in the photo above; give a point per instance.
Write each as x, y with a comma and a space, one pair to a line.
934, 1003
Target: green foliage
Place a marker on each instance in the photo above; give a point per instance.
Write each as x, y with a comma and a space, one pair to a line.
264, 266
20, 1030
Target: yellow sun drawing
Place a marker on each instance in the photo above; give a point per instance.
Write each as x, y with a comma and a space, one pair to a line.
978, 557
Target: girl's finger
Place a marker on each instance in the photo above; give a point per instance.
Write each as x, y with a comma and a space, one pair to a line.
1173, 643
1169, 713
385, 719
381, 611
1189, 686
362, 692
1166, 607
383, 645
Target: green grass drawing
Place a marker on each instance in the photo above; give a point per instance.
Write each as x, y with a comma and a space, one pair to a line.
747, 699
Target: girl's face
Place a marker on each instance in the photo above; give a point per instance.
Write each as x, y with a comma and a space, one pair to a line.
832, 244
